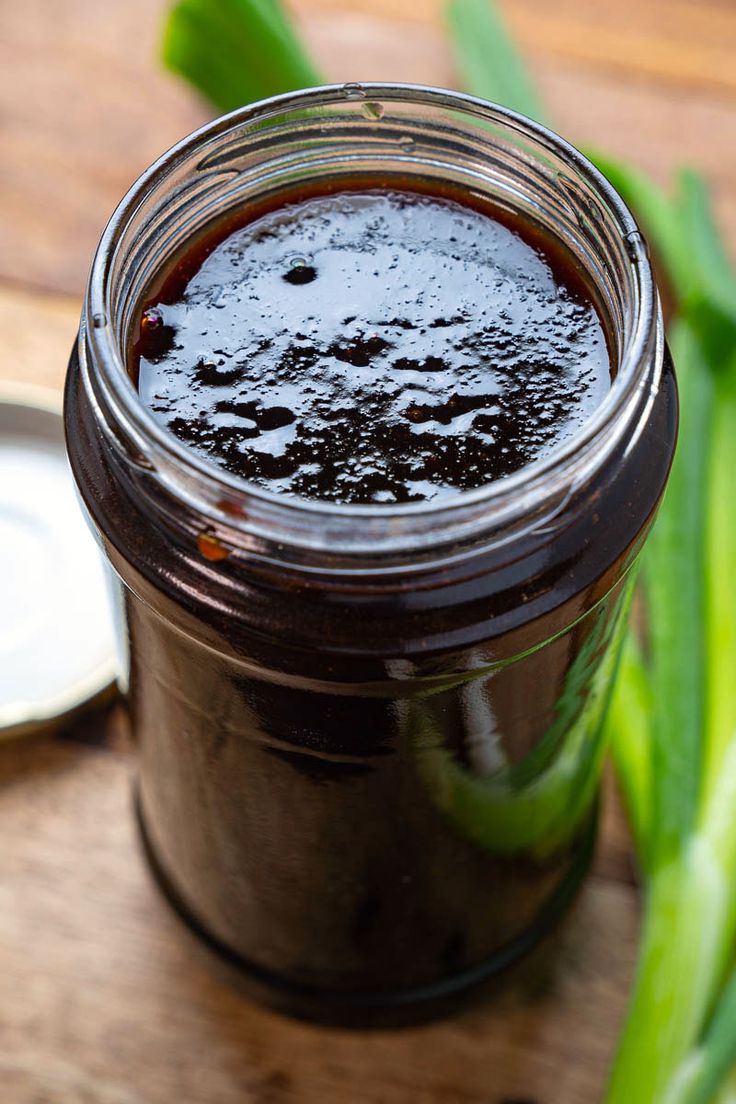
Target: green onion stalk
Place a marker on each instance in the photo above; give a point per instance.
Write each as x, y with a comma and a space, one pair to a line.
672, 718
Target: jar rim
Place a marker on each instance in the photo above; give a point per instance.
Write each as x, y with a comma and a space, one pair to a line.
497, 502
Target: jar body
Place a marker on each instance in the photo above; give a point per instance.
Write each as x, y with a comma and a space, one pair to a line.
370, 743
360, 816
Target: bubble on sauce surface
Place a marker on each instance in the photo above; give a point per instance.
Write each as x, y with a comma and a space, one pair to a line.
374, 347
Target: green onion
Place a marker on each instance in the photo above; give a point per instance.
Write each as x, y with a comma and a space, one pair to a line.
630, 717
675, 979
536, 806
236, 51
709, 1065
491, 66
673, 568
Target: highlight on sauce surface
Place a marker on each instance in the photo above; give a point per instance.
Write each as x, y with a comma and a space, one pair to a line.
372, 346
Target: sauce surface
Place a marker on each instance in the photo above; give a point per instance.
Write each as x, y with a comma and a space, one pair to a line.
372, 346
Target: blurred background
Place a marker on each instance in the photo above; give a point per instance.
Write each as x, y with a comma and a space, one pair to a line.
103, 999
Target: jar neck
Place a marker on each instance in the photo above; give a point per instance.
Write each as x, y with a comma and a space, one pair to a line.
325, 135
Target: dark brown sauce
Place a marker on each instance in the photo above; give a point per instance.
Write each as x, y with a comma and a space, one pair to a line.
372, 345
370, 792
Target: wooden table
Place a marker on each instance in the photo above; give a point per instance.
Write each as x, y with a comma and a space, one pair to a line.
104, 999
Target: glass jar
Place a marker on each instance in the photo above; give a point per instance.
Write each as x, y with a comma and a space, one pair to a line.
370, 737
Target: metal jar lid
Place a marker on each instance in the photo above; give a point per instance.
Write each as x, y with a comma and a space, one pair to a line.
56, 635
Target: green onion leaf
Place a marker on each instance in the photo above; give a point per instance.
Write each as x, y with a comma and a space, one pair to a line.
676, 975
236, 51
711, 265
673, 716
487, 60
720, 583
673, 575
702, 1074
709, 296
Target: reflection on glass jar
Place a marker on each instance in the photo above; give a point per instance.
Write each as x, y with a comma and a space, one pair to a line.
516, 772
